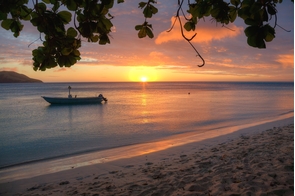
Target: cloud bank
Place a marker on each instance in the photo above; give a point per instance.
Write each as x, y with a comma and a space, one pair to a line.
205, 31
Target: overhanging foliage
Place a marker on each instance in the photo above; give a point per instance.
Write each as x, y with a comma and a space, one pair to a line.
92, 20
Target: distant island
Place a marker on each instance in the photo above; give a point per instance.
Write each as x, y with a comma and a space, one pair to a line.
13, 77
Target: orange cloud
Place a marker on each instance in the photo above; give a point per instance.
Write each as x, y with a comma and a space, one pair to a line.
158, 58
206, 32
227, 60
287, 60
62, 69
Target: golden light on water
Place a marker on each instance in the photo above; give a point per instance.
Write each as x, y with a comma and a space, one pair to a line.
143, 74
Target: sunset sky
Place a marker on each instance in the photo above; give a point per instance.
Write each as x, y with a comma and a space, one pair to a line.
166, 57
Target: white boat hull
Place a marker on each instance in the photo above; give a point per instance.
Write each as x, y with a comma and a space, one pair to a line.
80, 100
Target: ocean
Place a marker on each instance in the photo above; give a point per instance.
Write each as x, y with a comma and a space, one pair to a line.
32, 130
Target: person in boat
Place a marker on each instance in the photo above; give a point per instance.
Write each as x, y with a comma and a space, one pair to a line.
69, 96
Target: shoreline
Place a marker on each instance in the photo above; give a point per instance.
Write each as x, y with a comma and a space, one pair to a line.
54, 165
125, 162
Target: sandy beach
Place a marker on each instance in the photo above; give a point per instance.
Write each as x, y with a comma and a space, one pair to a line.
254, 161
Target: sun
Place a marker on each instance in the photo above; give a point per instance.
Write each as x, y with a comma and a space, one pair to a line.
143, 74
143, 79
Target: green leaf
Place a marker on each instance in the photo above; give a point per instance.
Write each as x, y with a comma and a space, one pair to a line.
107, 23
46, 1
108, 3
42, 67
65, 16
51, 63
153, 9
142, 4
189, 26
41, 7
251, 21
207, 10
104, 39
269, 37
260, 43
25, 13
77, 43
71, 32
61, 61
78, 58
244, 12
71, 61
76, 53
271, 10
147, 12
38, 55
232, 13
3, 16
142, 32
251, 30
269, 33
255, 7
235, 2
6, 24
72, 5
256, 40
56, 6
251, 41
247, 3
66, 51
138, 27
215, 11
16, 27
149, 32
94, 38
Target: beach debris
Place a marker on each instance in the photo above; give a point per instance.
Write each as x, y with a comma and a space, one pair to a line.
34, 188
128, 166
113, 172
214, 150
197, 188
274, 175
64, 183
244, 137
240, 167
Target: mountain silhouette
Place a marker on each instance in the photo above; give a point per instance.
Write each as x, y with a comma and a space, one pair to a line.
13, 77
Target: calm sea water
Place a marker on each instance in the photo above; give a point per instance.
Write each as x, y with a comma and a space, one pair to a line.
32, 130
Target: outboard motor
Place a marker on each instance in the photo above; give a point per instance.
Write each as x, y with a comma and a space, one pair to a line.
103, 98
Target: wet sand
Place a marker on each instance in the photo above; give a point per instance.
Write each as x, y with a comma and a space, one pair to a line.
255, 161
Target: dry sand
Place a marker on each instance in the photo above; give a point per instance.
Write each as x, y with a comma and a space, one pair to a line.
251, 163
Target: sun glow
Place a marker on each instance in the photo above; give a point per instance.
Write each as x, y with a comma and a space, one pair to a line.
144, 79
143, 74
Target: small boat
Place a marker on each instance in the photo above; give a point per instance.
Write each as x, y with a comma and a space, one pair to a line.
74, 100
